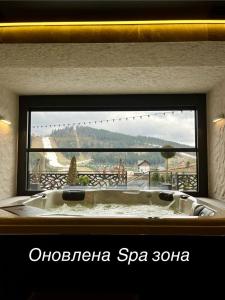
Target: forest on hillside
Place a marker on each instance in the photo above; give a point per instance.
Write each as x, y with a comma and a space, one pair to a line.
88, 137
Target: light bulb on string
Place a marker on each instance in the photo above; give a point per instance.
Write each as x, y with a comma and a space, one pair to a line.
159, 114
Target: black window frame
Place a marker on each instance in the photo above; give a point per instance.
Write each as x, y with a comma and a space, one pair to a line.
196, 102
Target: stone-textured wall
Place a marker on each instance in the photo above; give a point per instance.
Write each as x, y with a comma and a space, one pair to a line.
216, 142
8, 143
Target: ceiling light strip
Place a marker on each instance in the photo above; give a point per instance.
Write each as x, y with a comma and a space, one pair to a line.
103, 23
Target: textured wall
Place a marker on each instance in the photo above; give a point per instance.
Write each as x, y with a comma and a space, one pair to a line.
8, 143
216, 142
34, 69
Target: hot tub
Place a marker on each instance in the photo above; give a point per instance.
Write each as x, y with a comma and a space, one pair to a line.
117, 212
116, 204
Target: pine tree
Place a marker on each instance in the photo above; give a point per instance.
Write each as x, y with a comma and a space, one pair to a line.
72, 174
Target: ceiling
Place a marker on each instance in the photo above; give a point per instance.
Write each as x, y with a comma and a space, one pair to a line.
42, 10
188, 67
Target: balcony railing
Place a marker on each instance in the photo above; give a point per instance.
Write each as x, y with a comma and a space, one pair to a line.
187, 182
161, 179
176, 181
54, 180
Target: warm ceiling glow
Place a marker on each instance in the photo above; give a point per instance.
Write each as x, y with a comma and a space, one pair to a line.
112, 31
94, 23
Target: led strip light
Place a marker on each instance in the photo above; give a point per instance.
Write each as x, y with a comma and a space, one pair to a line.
103, 23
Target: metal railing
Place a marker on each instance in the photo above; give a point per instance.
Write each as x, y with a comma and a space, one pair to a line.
154, 179
54, 180
176, 181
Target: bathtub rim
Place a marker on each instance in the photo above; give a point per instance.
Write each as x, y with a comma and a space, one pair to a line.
112, 226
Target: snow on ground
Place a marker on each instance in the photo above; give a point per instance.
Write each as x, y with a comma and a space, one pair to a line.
51, 156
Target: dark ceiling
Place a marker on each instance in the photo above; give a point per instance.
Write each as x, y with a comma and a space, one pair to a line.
109, 10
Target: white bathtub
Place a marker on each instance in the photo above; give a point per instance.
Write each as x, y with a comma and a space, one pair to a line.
115, 203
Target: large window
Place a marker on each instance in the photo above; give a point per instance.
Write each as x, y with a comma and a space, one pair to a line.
133, 141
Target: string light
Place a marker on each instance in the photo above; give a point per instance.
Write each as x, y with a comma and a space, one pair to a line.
107, 120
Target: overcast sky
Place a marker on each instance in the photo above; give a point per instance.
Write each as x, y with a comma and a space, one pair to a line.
177, 126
